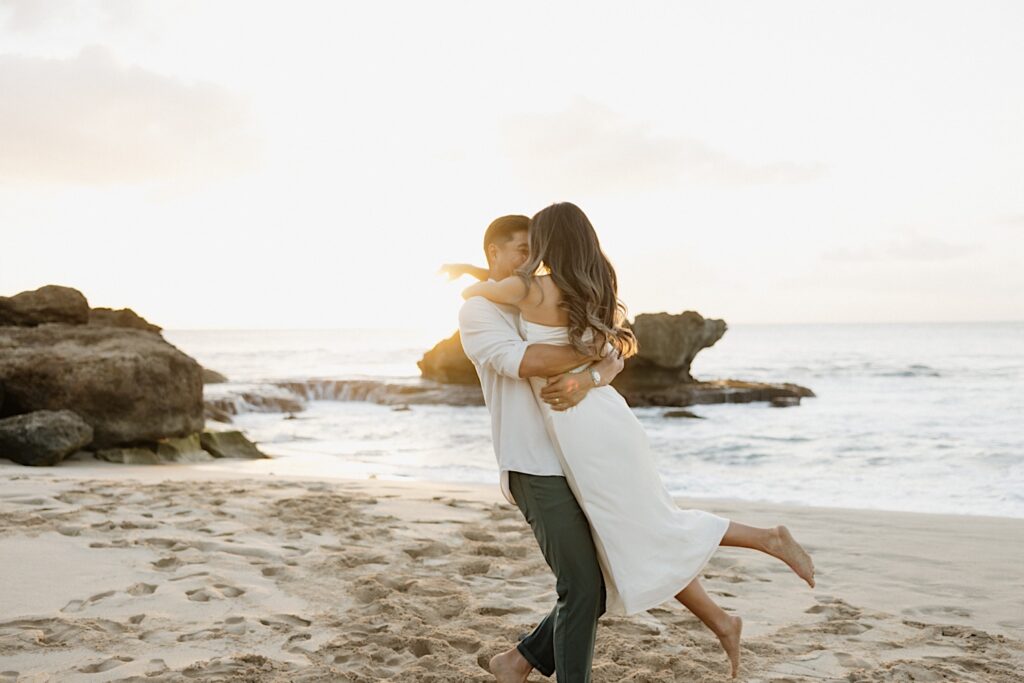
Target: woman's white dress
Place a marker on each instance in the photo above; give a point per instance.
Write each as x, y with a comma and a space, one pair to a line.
648, 547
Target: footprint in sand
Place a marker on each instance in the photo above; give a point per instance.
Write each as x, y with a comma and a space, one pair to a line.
217, 591
500, 610
141, 589
940, 611
273, 571
499, 515
235, 626
478, 535
79, 605
285, 621
167, 563
841, 618
474, 567
501, 550
105, 665
428, 549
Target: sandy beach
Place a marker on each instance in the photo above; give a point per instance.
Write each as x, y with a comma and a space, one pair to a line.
174, 573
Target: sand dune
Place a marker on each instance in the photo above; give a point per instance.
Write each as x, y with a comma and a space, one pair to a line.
179, 574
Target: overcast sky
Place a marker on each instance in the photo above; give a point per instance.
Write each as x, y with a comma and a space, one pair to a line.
240, 164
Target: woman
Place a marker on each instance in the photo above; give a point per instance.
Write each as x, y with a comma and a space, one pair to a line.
650, 550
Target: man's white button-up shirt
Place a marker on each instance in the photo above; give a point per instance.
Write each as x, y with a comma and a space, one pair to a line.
492, 340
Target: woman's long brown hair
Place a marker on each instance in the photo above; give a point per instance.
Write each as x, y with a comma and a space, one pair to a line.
563, 240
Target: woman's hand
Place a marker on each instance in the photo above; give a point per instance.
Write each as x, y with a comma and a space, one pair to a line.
566, 390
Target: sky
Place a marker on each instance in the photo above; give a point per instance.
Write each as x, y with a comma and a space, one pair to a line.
312, 164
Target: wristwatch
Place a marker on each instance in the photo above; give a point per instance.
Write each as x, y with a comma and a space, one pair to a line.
596, 376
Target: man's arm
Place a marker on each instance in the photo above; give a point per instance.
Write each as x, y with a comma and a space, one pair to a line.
489, 339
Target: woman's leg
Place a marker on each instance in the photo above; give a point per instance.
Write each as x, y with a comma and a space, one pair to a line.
726, 627
777, 542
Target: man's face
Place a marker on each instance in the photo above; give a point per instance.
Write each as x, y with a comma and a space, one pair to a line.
509, 256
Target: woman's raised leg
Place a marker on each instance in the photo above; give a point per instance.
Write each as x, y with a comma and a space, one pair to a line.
777, 542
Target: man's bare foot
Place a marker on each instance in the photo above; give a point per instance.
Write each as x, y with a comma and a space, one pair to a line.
785, 547
729, 637
510, 667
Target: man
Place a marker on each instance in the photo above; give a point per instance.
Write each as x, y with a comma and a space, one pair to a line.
531, 473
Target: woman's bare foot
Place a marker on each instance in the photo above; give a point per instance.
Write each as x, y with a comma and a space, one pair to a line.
785, 547
510, 667
729, 637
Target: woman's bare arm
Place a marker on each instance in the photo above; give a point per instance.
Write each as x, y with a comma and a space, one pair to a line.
548, 360
457, 270
512, 290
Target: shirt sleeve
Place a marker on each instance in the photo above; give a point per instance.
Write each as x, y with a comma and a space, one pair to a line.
489, 339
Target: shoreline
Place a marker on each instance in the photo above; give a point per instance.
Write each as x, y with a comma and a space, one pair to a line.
168, 572
232, 468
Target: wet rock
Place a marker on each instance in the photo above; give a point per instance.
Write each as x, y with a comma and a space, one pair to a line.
213, 377
43, 437
173, 449
231, 444
682, 413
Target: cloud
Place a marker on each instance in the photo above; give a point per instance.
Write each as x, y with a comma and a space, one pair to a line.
90, 120
29, 16
1011, 220
913, 247
590, 148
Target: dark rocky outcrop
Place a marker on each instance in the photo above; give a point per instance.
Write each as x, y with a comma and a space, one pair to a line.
425, 392
199, 447
659, 375
122, 317
713, 391
682, 413
213, 377
668, 344
49, 304
447, 363
129, 385
43, 437
173, 449
230, 445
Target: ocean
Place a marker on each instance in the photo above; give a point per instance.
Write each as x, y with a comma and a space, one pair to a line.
925, 417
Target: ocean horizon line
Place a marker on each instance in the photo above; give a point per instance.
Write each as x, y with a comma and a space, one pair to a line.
730, 324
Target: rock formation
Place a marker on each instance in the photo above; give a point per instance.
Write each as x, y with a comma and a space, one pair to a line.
43, 437
128, 384
49, 304
659, 375
122, 317
447, 363
102, 379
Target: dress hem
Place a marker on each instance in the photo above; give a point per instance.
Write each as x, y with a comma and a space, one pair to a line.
682, 583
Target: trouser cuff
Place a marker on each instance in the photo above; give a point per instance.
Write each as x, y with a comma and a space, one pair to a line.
528, 656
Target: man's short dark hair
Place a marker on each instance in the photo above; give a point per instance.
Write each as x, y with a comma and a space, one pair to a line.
502, 229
